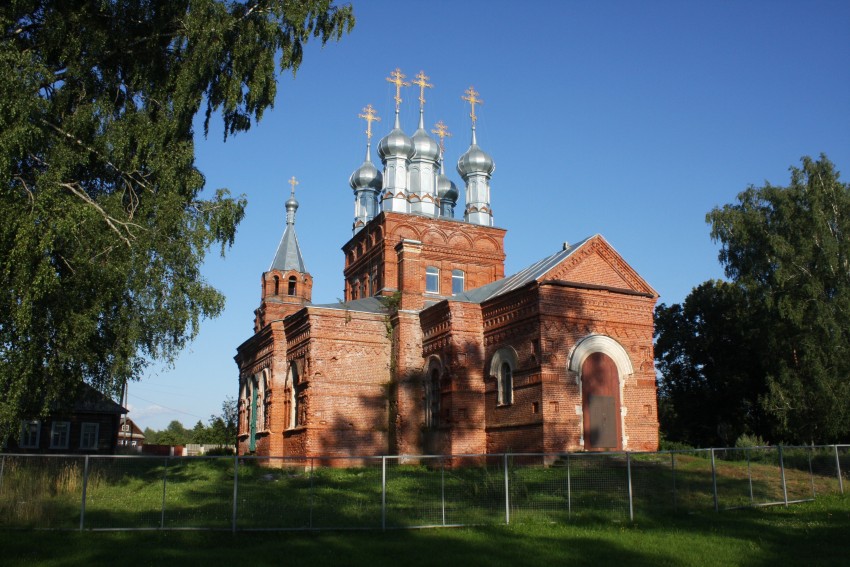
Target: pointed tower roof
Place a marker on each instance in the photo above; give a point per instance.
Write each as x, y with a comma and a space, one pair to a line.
288, 255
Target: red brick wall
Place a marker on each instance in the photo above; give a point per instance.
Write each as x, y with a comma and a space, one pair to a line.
446, 244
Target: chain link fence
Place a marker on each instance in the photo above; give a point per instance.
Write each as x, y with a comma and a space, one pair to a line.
391, 492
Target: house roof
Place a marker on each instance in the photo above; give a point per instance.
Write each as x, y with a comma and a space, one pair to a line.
92, 401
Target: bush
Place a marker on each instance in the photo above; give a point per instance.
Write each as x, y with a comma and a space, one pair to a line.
747, 441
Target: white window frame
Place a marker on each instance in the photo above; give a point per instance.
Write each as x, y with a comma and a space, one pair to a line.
432, 275
87, 426
64, 439
458, 276
27, 428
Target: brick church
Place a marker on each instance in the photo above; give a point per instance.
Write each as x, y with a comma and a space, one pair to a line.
434, 350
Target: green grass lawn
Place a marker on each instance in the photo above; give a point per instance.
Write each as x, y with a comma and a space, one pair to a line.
814, 533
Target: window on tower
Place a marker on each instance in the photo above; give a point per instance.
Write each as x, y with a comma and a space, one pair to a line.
432, 279
292, 282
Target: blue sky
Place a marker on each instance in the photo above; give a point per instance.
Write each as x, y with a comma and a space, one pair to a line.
629, 119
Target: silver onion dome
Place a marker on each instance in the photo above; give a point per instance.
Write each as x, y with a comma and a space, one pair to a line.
366, 176
424, 147
475, 160
396, 143
446, 189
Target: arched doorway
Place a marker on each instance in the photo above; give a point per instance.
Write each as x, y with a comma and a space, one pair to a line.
600, 402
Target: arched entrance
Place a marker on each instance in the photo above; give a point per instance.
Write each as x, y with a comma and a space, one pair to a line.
600, 402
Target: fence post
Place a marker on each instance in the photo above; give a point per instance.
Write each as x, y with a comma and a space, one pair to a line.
235, 490
673, 472
507, 492
443, 487
311, 492
838, 469
811, 472
714, 481
569, 490
384, 492
164, 480
629, 473
782, 470
85, 486
750, 476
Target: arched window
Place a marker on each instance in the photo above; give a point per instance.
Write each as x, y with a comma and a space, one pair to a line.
457, 281
506, 384
276, 285
355, 290
252, 420
432, 279
375, 286
432, 399
292, 282
294, 378
366, 291
502, 367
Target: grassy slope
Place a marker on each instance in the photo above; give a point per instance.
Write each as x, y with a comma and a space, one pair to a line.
816, 533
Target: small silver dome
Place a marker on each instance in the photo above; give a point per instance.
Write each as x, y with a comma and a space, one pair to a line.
446, 189
366, 176
424, 146
291, 203
475, 160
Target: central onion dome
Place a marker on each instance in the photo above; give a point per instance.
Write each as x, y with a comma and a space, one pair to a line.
366, 176
395, 144
475, 160
424, 146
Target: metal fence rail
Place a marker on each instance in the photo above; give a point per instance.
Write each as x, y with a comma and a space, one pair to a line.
73, 492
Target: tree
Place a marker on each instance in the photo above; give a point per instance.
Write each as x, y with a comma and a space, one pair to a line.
788, 250
103, 224
708, 358
174, 434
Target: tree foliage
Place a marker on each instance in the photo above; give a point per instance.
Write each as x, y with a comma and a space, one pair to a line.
787, 329
220, 430
103, 224
706, 352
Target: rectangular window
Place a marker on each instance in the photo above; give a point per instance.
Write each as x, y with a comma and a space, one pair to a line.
457, 281
88, 436
432, 280
29, 434
59, 434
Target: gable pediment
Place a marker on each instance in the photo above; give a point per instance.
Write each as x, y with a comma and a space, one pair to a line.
596, 263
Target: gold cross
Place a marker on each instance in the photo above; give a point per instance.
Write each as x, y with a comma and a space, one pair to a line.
397, 78
369, 116
293, 182
441, 130
423, 83
472, 98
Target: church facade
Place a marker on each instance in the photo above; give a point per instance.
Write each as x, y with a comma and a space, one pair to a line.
435, 350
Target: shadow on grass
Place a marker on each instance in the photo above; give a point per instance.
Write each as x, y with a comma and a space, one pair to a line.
810, 534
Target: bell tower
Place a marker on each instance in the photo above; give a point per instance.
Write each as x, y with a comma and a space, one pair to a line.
286, 286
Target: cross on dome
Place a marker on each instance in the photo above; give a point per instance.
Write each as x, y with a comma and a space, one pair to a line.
442, 132
293, 182
422, 81
369, 116
472, 98
397, 78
